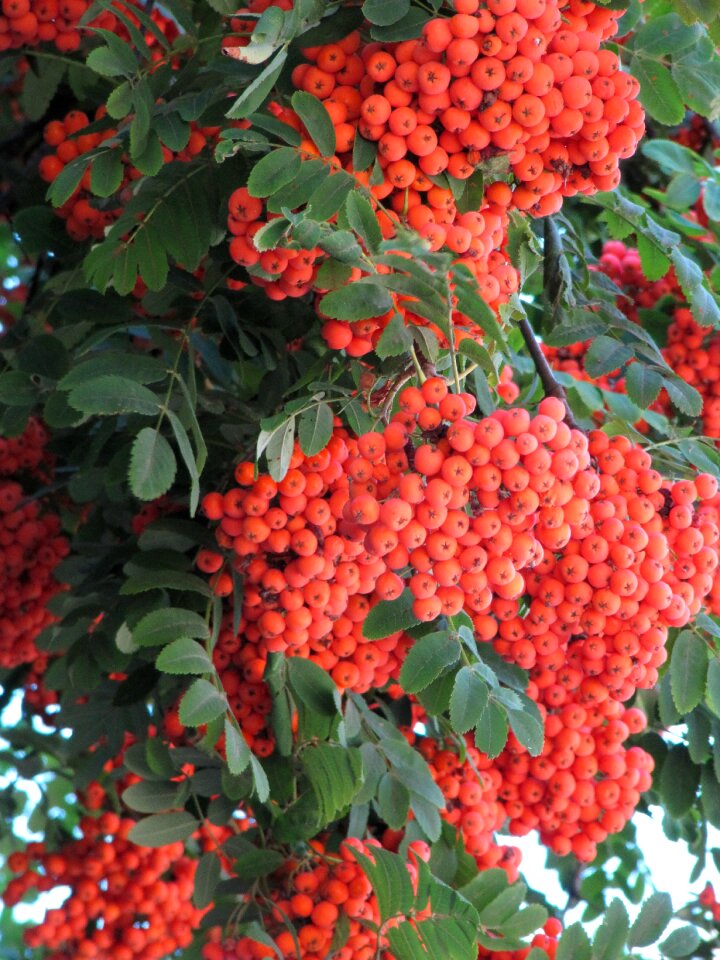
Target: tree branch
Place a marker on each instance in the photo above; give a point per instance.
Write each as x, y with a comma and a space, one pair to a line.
551, 387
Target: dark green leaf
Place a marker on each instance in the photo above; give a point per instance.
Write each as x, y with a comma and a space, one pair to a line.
163, 626
184, 656
317, 121
688, 671
201, 703
315, 429
152, 464
389, 617
163, 828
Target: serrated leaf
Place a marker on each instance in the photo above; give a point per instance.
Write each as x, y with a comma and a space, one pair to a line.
253, 96
427, 659
312, 685
655, 264
643, 384
163, 828
713, 686
382, 13
679, 780
315, 429
393, 799
655, 914
276, 168
659, 93
527, 725
334, 773
390, 880
609, 940
688, 671
237, 751
574, 944
363, 220
683, 396
184, 656
152, 465
491, 732
390, 616
151, 796
207, 877
317, 121
681, 943
468, 700
163, 626
605, 355
201, 703
395, 340
111, 394
356, 301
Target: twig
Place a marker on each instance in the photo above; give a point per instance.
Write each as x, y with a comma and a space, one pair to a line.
550, 385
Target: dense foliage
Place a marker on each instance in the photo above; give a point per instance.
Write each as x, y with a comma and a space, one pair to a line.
359, 462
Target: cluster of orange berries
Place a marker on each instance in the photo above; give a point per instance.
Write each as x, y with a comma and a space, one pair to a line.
696, 134
127, 902
525, 80
470, 786
570, 553
27, 23
31, 545
84, 215
315, 895
693, 352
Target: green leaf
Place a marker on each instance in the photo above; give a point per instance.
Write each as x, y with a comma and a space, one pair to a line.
681, 943
44, 356
390, 616
334, 773
115, 60
427, 659
643, 384
315, 429
655, 915
357, 301
280, 448
152, 796
163, 828
313, 686
237, 751
468, 700
395, 340
163, 626
574, 944
67, 181
609, 941
106, 173
39, 85
383, 13
152, 465
113, 394
393, 800
688, 671
683, 396
679, 780
317, 121
272, 172
653, 261
605, 355
659, 93
254, 95
491, 732
710, 795
183, 443
713, 686
201, 703
527, 725
363, 220
390, 880
503, 906
207, 877
184, 656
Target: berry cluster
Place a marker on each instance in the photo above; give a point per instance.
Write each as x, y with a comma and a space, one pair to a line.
570, 553
316, 894
27, 23
126, 902
472, 804
526, 82
86, 216
32, 545
694, 354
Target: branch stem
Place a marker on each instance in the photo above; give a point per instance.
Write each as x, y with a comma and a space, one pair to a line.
550, 385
